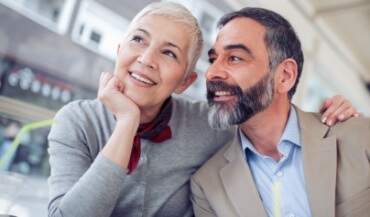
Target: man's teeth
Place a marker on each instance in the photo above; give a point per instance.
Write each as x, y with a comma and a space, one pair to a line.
223, 93
137, 77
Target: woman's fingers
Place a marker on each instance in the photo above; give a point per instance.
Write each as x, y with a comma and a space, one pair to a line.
104, 79
337, 108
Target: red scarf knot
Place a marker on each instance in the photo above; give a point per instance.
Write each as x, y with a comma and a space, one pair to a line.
157, 131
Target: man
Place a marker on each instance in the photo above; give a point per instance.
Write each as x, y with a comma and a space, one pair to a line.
282, 161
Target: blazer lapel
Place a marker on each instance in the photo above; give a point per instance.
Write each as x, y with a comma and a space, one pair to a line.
239, 183
319, 163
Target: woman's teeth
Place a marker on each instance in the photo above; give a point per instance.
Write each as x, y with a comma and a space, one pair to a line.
137, 77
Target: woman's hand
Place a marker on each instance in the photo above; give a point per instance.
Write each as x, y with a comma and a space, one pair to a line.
111, 94
337, 108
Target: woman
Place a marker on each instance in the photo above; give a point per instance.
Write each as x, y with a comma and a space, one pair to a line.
131, 151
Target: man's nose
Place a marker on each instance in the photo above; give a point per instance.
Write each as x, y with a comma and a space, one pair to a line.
216, 71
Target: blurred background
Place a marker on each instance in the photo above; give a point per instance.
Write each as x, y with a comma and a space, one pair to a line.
53, 51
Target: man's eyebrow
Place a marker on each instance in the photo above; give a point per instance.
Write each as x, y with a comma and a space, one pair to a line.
232, 46
238, 46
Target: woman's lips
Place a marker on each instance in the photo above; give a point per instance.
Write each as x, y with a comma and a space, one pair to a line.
142, 79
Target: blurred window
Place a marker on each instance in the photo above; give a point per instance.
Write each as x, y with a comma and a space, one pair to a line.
207, 15
318, 87
198, 89
52, 14
30, 157
99, 29
26, 83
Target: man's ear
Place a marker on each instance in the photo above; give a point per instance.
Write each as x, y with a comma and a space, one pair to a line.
186, 83
288, 71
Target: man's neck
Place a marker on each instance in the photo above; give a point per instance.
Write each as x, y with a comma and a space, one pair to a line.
265, 129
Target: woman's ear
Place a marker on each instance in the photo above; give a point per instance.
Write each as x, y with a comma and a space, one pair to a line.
186, 82
287, 77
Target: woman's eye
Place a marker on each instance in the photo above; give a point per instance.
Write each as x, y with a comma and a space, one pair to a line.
170, 53
138, 39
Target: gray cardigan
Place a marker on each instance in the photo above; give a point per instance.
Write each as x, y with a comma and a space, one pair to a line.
84, 183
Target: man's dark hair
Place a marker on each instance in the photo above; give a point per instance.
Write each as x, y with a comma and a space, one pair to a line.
280, 39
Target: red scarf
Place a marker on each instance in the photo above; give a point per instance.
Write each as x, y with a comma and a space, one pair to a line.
156, 131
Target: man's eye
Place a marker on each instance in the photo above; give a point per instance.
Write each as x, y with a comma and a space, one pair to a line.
235, 58
211, 60
170, 53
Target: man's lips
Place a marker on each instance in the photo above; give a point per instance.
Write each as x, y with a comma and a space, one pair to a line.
142, 79
221, 91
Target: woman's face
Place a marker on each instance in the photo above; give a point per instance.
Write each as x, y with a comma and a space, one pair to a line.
153, 60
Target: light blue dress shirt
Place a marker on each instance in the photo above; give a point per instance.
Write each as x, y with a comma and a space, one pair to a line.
288, 172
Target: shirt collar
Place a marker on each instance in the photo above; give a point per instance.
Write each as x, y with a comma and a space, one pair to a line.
291, 133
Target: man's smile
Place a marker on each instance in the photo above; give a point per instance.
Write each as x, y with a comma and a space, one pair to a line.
223, 93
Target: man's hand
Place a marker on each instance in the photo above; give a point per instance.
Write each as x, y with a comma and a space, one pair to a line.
337, 108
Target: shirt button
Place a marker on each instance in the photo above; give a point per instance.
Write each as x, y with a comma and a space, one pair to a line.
291, 215
143, 183
280, 174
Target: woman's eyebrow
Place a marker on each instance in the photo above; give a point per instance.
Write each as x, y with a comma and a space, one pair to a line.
173, 45
143, 31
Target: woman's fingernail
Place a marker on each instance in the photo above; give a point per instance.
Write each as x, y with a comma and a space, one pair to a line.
323, 120
341, 117
330, 123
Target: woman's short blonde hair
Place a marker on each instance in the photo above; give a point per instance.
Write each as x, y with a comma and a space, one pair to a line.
177, 13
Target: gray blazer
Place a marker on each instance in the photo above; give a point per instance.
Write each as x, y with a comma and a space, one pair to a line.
336, 166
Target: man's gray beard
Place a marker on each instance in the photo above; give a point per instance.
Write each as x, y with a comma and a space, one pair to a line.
222, 115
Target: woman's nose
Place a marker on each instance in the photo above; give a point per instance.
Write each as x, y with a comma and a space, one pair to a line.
148, 58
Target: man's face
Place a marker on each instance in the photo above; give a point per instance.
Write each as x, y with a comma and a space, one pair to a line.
239, 82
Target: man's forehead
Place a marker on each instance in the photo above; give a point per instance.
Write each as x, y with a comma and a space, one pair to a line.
240, 31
